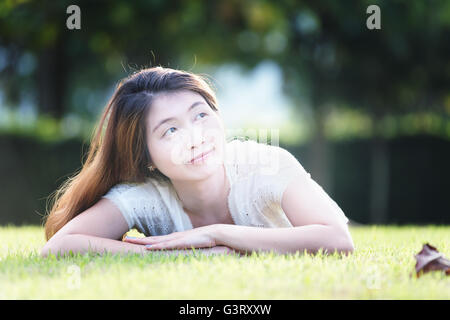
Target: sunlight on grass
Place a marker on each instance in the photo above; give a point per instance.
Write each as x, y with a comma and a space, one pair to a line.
380, 268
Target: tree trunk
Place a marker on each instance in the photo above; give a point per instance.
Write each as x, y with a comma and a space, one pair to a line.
51, 80
379, 187
320, 154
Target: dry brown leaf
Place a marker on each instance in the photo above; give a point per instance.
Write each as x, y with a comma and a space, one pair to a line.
430, 259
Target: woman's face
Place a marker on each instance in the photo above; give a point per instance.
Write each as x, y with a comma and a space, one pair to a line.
181, 126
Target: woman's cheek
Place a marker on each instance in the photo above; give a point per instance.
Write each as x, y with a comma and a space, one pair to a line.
160, 151
174, 152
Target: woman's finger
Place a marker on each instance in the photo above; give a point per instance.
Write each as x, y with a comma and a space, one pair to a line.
171, 244
145, 240
152, 239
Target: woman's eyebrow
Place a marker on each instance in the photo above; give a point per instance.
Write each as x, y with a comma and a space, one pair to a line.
173, 118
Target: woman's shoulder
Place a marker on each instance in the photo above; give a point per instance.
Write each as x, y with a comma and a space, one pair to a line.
264, 171
134, 190
245, 155
243, 149
252, 157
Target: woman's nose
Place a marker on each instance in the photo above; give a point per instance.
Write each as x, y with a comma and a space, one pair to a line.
196, 137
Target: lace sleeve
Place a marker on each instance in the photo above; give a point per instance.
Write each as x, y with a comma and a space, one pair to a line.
142, 208
117, 195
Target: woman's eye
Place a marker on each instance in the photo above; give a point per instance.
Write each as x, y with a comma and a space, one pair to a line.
168, 130
203, 113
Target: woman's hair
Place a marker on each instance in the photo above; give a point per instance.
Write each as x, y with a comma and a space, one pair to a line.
118, 150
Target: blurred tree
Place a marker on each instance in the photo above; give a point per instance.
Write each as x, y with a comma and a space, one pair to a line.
328, 56
68, 62
403, 67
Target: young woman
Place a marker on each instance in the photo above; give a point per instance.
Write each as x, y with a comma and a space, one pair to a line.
160, 162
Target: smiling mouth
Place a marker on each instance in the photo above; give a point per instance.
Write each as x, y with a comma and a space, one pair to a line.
201, 157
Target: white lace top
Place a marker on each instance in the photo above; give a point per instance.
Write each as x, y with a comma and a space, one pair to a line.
258, 174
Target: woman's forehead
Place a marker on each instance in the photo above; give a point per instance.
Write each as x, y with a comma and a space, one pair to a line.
176, 99
172, 104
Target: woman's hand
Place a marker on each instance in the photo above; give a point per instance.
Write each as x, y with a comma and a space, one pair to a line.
221, 250
202, 237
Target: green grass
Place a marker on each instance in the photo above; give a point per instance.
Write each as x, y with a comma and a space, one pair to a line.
380, 268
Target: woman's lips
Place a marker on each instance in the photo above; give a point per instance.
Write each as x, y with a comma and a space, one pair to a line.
201, 157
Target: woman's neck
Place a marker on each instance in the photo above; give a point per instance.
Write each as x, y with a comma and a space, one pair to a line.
204, 198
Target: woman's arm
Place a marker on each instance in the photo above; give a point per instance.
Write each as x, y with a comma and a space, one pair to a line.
283, 240
99, 229
245, 239
310, 210
84, 243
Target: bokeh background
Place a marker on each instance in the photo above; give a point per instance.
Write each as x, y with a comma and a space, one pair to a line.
366, 112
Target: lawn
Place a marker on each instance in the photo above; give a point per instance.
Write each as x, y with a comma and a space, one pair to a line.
380, 268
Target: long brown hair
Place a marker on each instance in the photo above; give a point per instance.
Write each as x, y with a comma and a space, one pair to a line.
118, 150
